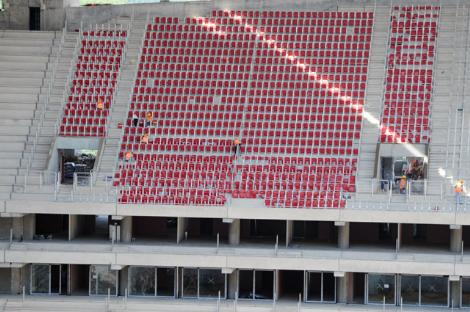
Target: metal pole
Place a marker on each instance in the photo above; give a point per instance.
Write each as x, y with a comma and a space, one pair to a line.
24, 293
401, 304
277, 244
218, 303
383, 305
299, 303
217, 251
11, 236
235, 302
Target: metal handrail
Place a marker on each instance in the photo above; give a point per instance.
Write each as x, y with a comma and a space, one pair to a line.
46, 103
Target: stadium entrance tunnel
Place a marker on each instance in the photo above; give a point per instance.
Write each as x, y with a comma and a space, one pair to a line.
76, 165
154, 229
79, 280
263, 231
381, 235
51, 227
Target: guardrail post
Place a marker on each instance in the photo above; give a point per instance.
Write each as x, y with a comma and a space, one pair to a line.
23, 290
276, 246
299, 302
235, 302
218, 242
218, 302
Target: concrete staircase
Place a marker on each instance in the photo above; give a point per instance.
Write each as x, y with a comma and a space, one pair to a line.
373, 101
450, 80
45, 117
111, 144
25, 59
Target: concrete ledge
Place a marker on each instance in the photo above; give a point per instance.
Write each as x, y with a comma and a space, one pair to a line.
250, 257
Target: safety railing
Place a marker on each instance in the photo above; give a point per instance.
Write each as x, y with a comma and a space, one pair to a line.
36, 180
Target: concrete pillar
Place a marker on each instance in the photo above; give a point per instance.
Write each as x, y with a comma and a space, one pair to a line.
182, 227
234, 232
343, 234
29, 226
20, 278
73, 226
17, 226
289, 231
455, 294
123, 280
344, 287
232, 284
456, 238
126, 229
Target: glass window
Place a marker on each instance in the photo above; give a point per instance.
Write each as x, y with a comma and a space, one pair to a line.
142, 281
410, 289
102, 279
329, 287
465, 292
40, 278
166, 282
245, 284
211, 282
189, 283
379, 287
434, 290
264, 284
314, 286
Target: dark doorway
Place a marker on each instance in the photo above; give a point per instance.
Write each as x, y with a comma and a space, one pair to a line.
291, 284
34, 18
51, 226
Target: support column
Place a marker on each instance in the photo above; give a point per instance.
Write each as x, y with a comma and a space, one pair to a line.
182, 227
17, 226
289, 231
343, 234
126, 229
344, 287
20, 278
29, 226
232, 284
73, 226
455, 238
234, 232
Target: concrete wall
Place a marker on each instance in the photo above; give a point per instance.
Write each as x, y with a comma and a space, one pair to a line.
5, 280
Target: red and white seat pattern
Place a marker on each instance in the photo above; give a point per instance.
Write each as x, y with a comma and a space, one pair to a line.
290, 85
409, 85
94, 80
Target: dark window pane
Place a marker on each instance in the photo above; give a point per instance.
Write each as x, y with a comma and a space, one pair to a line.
40, 278
314, 286
466, 292
189, 283
264, 284
166, 282
410, 289
380, 287
142, 281
245, 284
434, 290
211, 282
329, 286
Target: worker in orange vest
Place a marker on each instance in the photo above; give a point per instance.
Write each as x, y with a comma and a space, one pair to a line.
237, 144
128, 156
148, 119
459, 189
100, 104
402, 185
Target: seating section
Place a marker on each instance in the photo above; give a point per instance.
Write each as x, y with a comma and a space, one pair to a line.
94, 81
289, 85
408, 90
